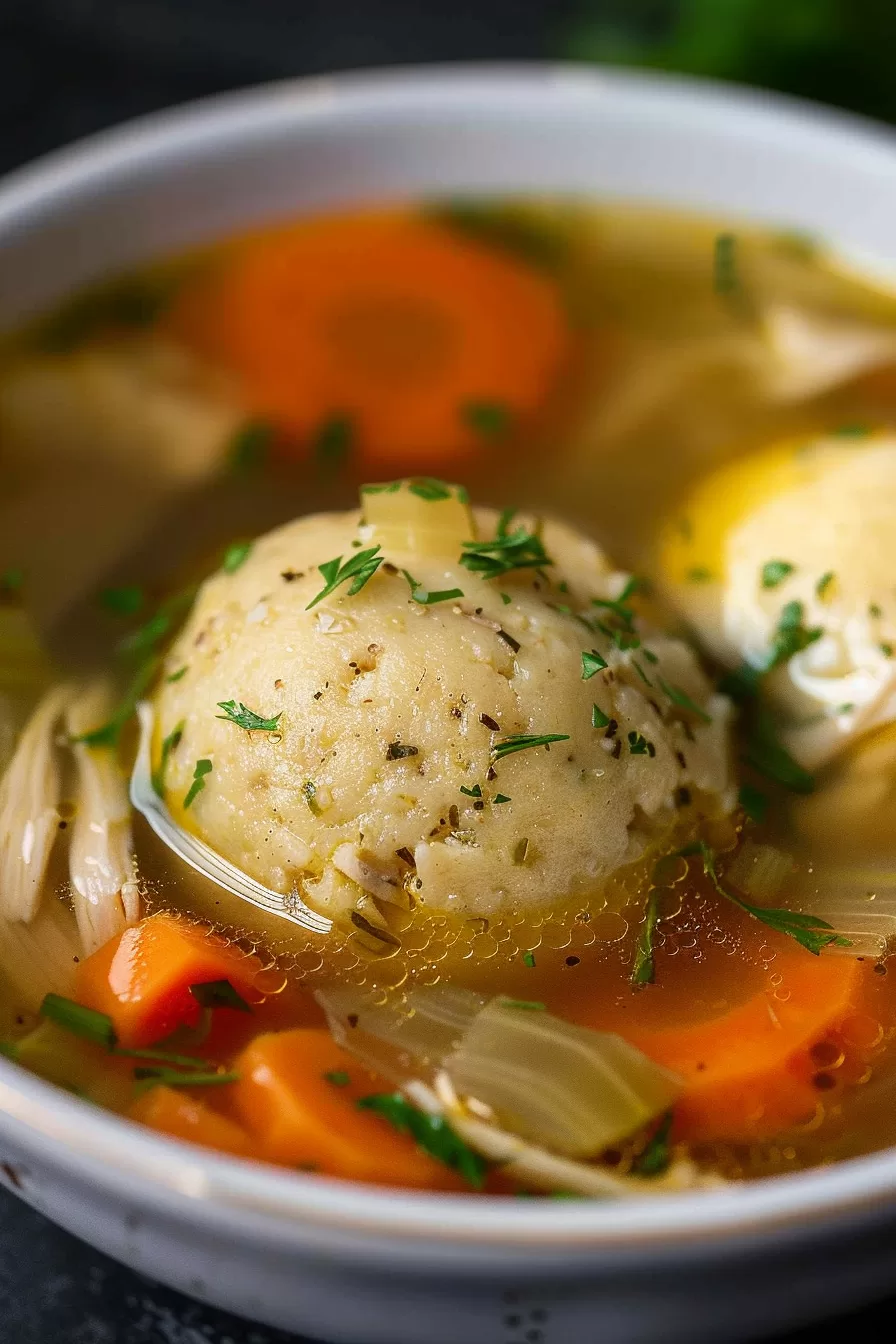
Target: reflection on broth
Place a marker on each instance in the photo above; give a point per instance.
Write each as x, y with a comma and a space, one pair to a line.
567, 807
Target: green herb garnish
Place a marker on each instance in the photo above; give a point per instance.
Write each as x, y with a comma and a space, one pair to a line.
11, 582
529, 959
338, 1077
754, 802
790, 638
775, 572
699, 574
250, 446
333, 440
180, 673
359, 568
236, 556
247, 718
886, 649
172, 1078
683, 700
824, 583
655, 1157
519, 549
644, 969
169, 744
506, 746
488, 419
772, 760
501, 798
219, 994
809, 931
386, 488
203, 767
80, 1021
425, 597
726, 278
430, 489
124, 601
592, 663
109, 733
638, 745
146, 637
527, 1005
432, 1133
598, 718
853, 430
475, 792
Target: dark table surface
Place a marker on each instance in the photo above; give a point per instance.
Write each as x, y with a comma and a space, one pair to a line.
69, 67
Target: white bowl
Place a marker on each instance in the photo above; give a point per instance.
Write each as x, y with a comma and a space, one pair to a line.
332, 1259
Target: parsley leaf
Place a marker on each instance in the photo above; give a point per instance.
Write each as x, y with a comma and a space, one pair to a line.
359, 568
643, 969
432, 1133
109, 733
768, 757
683, 700
337, 1077
124, 601
592, 663
219, 994
169, 744
203, 767
529, 959
809, 931
506, 746
488, 419
598, 718
726, 278
247, 718
519, 549
655, 1158
775, 572
791, 636
824, 583
430, 489
173, 1078
236, 556
425, 597
80, 1021
333, 440
753, 801
249, 448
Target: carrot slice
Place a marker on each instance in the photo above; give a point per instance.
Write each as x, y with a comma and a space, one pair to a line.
390, 320
298, 1095
749, 1073
183, 1117
142, 979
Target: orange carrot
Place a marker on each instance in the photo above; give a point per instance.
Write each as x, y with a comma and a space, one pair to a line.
421, 341
748, 1073
180, 1115
298, 1095
142, 979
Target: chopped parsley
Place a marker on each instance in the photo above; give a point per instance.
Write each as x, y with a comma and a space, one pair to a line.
769, 758
506, 599
824, 583
475, 792
527, 1005
853, 430
219, 994
775, 572
641, 673
176, 676
80, 1021
250, 446
236, 556
173, 1078
529, 959
109, 733
246, 718
501, 798
875, 611
699, 574
169, 744
432, 1133
644, 969
726, 277
809, 931
791, 636
359, 568
386, 488
683, 700
655, 1157
203, 767
522, 742
11, 581
430, 489
592, 663
754, 802
160, 625
519, 549
337, 1077
427, 598
124, 601
638, 745
886, 649
333, 440
598, 718
488, 419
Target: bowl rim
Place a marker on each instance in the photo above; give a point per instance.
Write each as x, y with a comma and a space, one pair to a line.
143, 1167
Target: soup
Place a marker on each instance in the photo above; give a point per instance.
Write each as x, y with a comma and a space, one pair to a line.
448, 696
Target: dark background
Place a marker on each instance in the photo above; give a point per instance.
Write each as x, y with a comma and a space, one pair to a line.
69, 67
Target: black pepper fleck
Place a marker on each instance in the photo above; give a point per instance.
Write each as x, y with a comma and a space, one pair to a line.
491, 724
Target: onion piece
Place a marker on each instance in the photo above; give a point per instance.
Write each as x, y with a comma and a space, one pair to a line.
101, 858
566, 1088
538, 1169
411, 517
760, 871
569, 1089
29, 809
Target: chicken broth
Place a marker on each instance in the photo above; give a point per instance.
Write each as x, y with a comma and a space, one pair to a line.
538, 846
